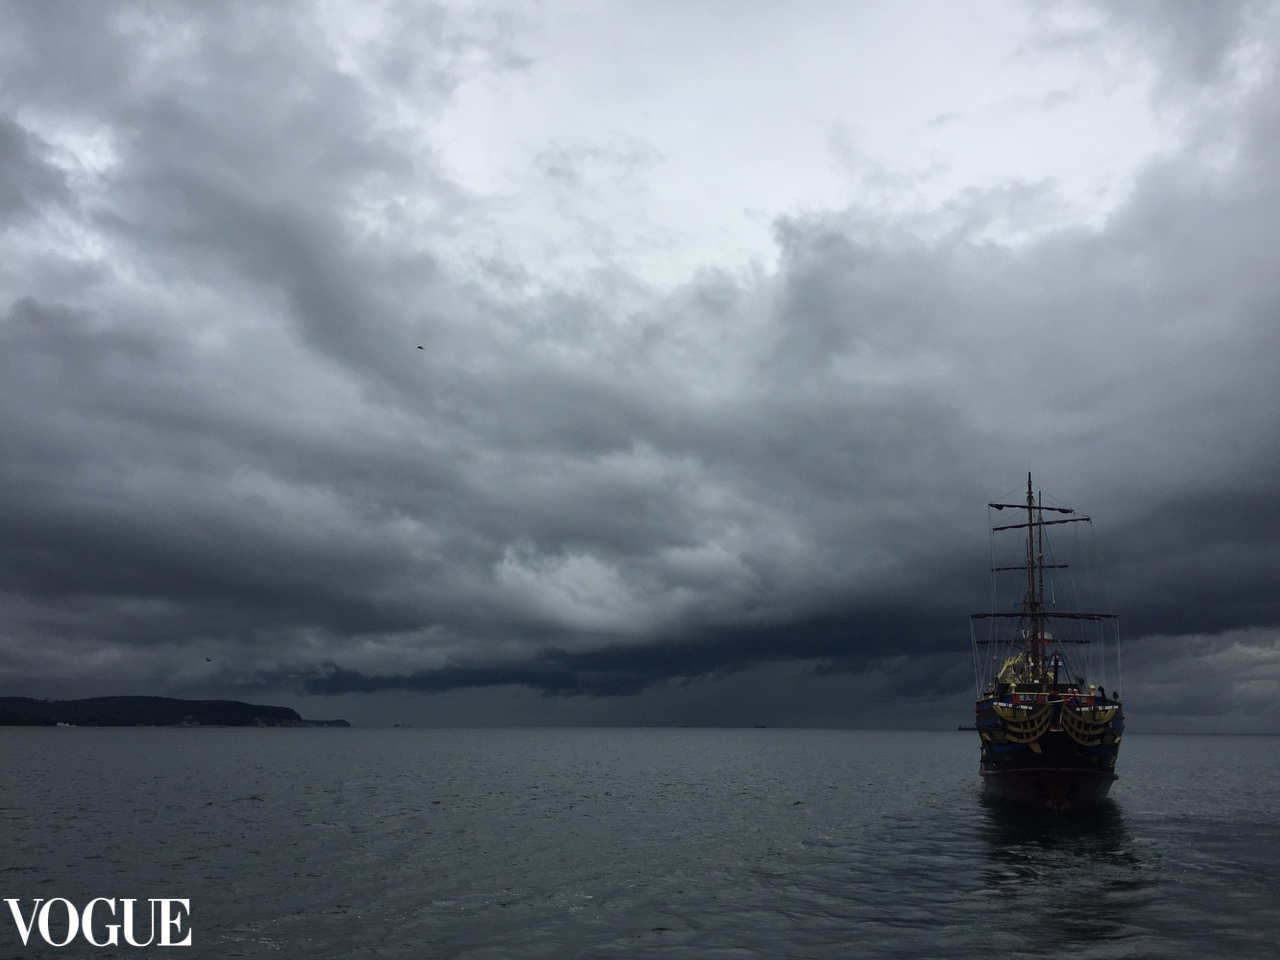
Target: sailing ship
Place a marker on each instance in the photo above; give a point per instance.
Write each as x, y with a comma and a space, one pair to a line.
1050, 733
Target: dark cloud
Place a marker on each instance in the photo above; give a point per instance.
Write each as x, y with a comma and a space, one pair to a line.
27, 180
228, 232
1202, 564
831, 646
1195, 42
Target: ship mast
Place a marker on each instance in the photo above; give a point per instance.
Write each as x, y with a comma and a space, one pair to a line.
1030, 601
1033, 601
1031, 612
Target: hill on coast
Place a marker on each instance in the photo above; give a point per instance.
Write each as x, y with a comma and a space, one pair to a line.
148, 712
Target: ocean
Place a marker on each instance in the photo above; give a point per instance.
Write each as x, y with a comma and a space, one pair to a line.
635, 843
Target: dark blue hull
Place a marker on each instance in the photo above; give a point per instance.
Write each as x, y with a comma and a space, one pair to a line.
1054, 770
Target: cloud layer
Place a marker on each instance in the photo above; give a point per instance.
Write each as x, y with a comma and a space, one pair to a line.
285, 388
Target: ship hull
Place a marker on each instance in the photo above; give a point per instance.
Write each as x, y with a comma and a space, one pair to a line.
1053, 772
1050, 788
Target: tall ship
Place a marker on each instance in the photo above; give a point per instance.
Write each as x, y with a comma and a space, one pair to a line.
1049, 730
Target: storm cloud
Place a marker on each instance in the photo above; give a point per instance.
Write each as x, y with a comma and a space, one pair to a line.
649, 455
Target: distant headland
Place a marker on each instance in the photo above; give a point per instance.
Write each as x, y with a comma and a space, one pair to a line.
149, 712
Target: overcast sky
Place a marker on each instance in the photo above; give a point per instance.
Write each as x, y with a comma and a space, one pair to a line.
732, 315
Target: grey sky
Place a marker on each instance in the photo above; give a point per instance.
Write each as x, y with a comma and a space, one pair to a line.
733, 318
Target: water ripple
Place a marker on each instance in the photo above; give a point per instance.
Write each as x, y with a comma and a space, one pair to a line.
641, 843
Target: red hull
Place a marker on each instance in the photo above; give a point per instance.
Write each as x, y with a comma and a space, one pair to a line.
1051, 787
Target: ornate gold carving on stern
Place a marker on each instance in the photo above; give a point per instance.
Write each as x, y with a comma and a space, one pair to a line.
1087, 726
1023, 724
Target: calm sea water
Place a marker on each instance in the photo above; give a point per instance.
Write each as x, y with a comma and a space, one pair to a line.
638, 843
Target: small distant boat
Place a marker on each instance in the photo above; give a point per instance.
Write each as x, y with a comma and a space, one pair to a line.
1049, 732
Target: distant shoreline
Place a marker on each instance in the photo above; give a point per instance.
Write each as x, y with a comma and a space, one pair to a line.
149, 712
